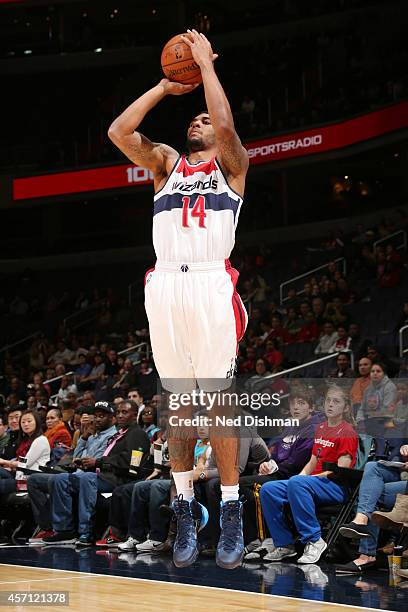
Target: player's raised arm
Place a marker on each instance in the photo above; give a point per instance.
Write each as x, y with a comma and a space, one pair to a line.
233, 156
157, 157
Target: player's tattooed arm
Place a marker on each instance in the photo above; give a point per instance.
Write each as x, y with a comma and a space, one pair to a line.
154, 156
233, 156
140, 150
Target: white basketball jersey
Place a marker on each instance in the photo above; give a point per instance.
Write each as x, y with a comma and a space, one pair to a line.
195, 214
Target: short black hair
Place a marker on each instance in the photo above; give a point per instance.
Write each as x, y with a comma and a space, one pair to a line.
133, 406
381, 365
202, 112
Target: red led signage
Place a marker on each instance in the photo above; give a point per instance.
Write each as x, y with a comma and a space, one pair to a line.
287, 146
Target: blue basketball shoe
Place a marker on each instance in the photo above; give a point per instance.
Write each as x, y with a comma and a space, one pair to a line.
230, 549
191, 518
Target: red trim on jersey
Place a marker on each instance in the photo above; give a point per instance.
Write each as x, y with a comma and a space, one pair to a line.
239, 312
146, 275
190, 169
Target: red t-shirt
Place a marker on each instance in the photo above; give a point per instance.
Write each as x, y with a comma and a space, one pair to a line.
330, 443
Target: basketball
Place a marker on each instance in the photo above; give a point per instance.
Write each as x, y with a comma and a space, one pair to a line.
177, 62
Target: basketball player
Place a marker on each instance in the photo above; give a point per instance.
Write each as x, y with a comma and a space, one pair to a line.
195, 315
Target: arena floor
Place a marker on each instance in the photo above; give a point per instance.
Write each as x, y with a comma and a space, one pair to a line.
99, 580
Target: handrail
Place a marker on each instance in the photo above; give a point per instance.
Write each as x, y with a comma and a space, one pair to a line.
50, 380
9, 346
93, 306
309, 273
309, 363
400, 334
136, 346
401, 246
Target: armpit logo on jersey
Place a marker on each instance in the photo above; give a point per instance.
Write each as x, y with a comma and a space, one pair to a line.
233, 368
212, 183
148, 278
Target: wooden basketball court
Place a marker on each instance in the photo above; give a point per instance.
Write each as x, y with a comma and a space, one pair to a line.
97, 592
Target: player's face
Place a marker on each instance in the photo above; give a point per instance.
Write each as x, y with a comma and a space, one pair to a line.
200, 134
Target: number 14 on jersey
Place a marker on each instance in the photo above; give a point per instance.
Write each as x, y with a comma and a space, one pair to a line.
198, 210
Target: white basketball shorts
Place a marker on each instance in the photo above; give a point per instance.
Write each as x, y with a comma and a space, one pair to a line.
196, 320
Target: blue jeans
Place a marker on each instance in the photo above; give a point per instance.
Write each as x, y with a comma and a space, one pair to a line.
303, 493
86, 485
379, 487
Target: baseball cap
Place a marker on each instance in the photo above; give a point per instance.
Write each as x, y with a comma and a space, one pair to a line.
105, 406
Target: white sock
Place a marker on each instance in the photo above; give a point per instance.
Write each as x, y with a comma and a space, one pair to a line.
184, 484
229, 493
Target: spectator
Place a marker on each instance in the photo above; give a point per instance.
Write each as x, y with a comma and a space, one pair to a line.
92, 443
343, 290
247, 365
17, 388
361, 383
83, 370
9, 451
403, 320
277, 331
318, 311
148, 421
32, 446
38, 381
261, 370
357, 344
378, 400
13, 402
335, 442
96, 373
327, 339
343, 342
292, 300
401, 403
334, 312
4, 434
388, 272
136, 396
343, 369
273, 355
380, 485
111, 365
63, 355
146, 379
310, 329
68, 412
136, 505
114, 469
289, 453
293, 325
67, 387
37, 360
56, 432
127, 374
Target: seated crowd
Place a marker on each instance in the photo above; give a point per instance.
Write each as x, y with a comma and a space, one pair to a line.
100, 475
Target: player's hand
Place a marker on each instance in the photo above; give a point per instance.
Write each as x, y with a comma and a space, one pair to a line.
200, 48
404, 450
176, 89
